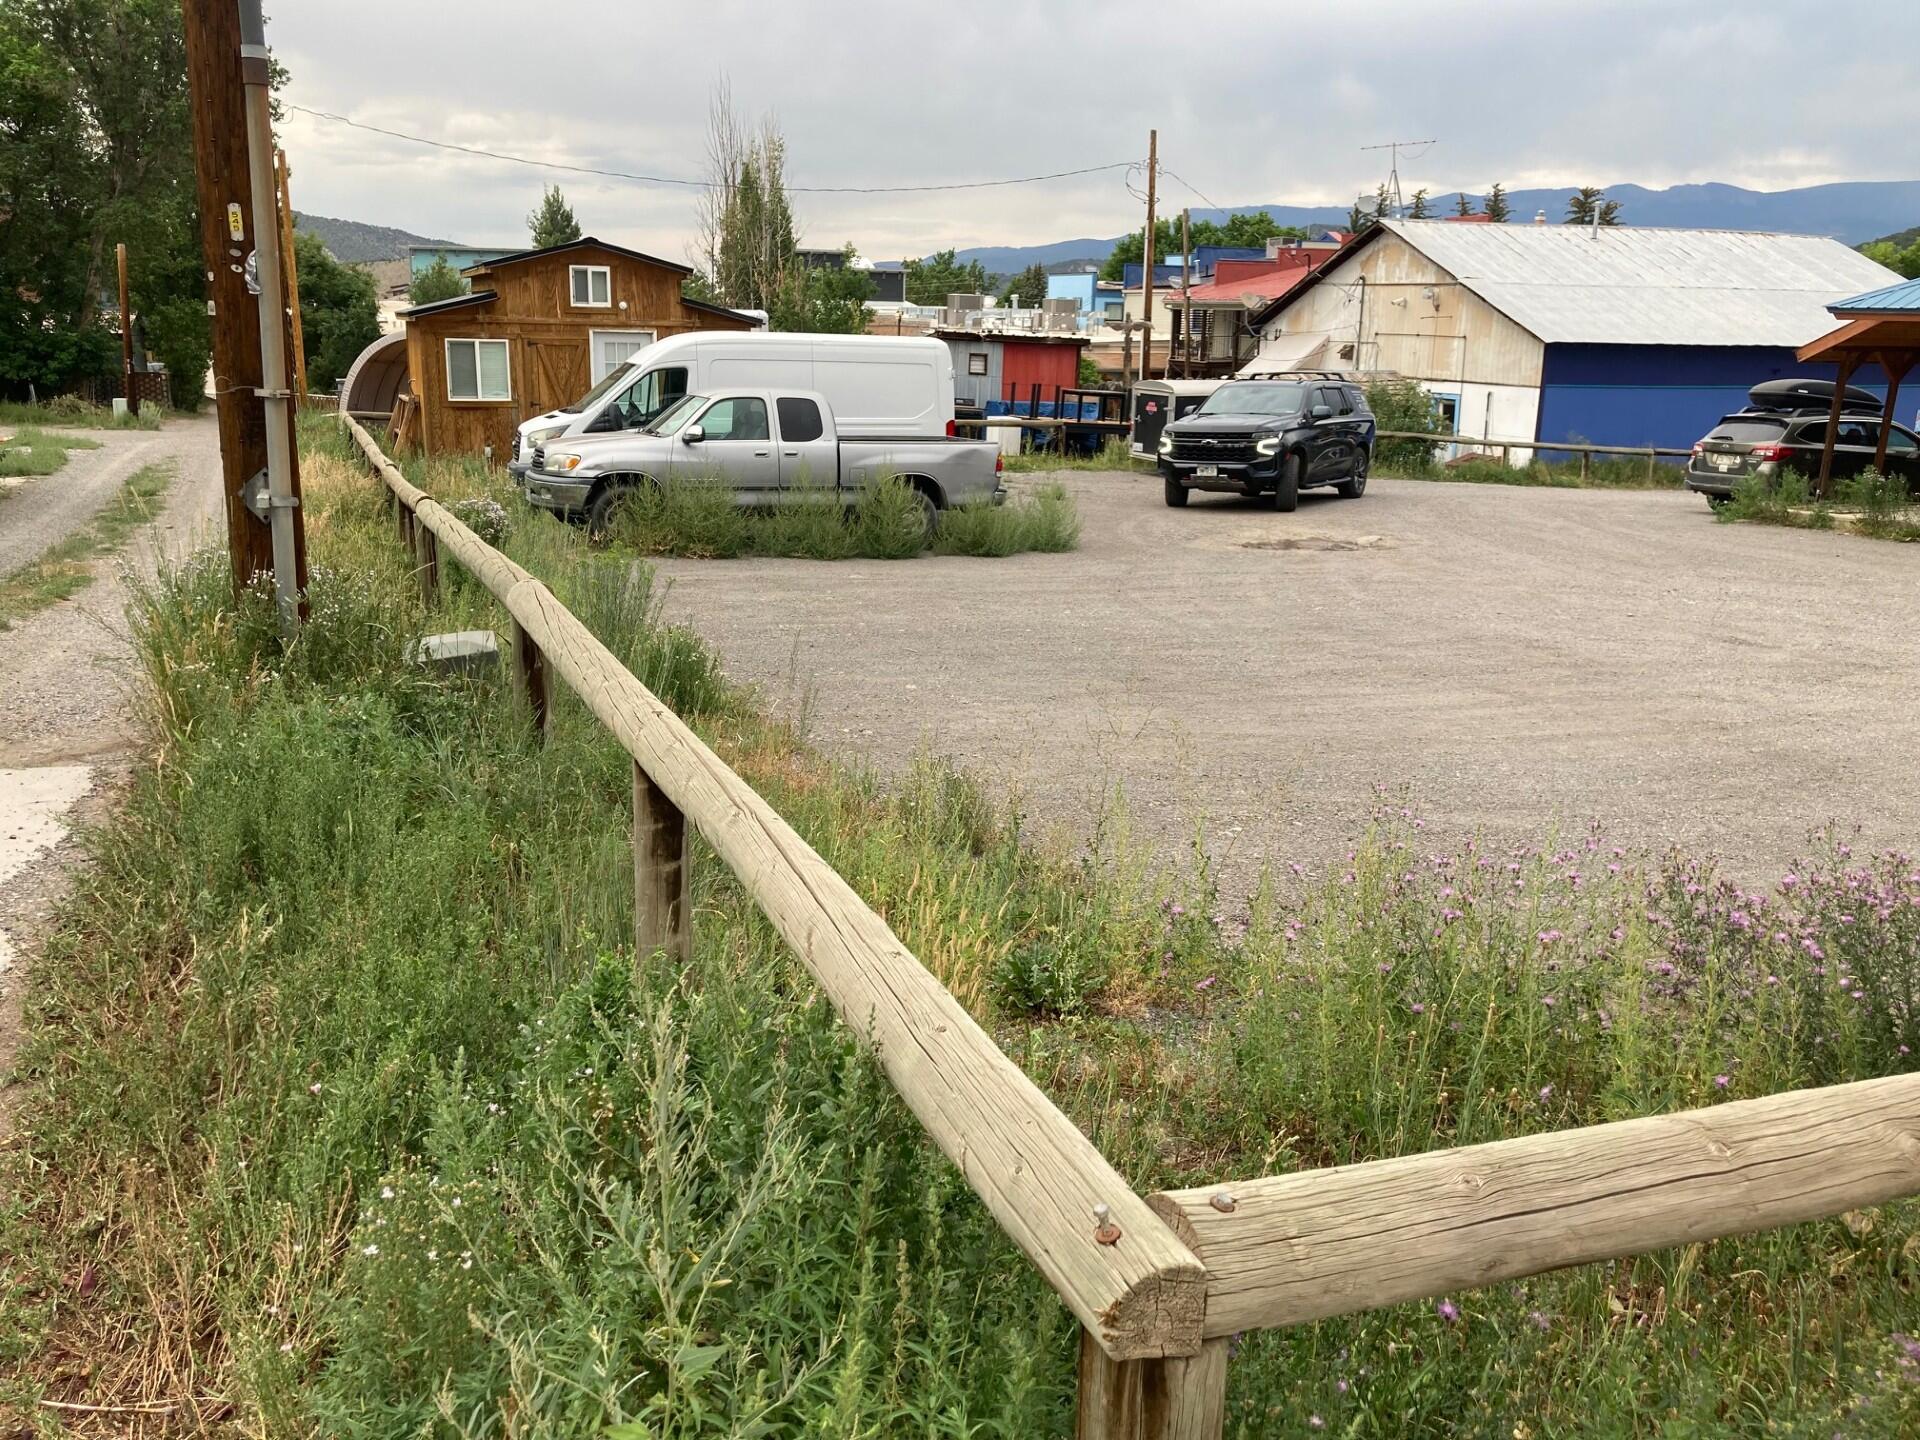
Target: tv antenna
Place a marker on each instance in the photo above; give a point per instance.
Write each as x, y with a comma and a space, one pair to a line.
1394, 201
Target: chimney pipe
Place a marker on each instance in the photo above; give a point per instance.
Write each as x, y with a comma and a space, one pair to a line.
1539, 217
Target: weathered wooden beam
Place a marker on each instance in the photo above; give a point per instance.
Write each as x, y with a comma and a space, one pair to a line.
1824, 487
1293, 1248
1122, 1272
1139, 1291
1183, 1398
662, 874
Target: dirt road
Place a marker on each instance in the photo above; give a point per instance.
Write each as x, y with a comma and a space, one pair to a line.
66, 720
1515, 658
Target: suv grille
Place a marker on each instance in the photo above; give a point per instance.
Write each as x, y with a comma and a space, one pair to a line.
1232, 449
539, 457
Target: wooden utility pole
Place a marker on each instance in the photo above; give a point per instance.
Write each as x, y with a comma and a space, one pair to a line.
212, 33
293, 274
126, 335
1146, 273
1186, 294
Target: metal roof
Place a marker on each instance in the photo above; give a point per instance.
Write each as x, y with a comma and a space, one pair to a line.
1634, 285
1904, 296
585, 242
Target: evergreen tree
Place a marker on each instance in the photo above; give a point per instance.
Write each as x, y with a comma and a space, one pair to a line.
552, 222
439, 281
1462, 205
1496, 208
931, 280
1030, 285
1419, 210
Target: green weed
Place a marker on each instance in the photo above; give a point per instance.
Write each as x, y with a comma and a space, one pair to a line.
38, 452
70, 410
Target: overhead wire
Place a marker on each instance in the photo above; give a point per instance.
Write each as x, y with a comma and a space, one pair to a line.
703, 184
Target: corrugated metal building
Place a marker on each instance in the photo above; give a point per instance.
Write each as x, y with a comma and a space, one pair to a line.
1617, 334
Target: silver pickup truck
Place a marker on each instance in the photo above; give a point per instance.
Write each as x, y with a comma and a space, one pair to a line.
766, 444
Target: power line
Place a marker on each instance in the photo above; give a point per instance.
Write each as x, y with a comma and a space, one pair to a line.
703, 184
1191, 186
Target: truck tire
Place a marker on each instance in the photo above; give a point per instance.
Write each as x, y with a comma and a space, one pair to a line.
1286, 490
606, 501
1176, 492
1355, 485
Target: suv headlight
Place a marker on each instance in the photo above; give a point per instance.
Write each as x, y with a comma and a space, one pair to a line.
1267, 445
563, 463
544, 434
1166, 444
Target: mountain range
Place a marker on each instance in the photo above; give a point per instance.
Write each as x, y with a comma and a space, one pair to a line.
1852, 211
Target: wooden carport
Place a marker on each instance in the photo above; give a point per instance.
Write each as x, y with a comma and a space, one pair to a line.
1880, 328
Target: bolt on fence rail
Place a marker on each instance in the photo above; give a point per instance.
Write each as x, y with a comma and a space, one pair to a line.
1159, 1284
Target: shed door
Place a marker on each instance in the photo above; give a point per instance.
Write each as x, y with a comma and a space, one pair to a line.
556, 373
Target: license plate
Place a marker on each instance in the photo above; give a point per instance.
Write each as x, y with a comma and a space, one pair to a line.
1727, 462
1206, 472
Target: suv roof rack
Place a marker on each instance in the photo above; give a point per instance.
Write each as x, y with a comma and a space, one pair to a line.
1300, 375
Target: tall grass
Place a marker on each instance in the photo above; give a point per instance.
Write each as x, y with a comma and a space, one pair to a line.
699, 519
350, 1094
1602, 473
70, 410
1871, 504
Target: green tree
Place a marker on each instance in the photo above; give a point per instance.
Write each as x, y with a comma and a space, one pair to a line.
1589, 205
439, 281
1419, 209
338, 312
1902, 260
932, 280
1090, 375
1030, 285
1401, 405
95, 148
552, 221
1496, 208
1462, 205
823, 300
1253, 228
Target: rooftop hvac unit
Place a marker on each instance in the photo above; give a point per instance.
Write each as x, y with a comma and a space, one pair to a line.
966, 302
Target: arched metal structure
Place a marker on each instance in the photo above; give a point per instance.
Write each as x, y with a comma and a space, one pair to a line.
377, 378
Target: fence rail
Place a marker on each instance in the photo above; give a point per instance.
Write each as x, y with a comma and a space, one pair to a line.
1135, 1287
1158, 1284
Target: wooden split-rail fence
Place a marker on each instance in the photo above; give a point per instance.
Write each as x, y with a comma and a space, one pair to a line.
1159, 1283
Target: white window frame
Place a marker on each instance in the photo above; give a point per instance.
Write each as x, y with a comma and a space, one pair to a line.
590, 303
593, 349
478, 397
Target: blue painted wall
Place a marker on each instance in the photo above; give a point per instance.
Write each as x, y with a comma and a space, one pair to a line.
1661, 395
421, 257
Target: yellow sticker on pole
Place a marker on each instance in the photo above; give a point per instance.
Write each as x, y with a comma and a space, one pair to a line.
236, 227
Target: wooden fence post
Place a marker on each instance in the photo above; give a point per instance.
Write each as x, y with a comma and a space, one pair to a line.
427, 553
661, 873
1175, 1399
530, 676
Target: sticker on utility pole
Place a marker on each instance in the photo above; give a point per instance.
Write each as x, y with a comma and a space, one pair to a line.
252, 272
236, 227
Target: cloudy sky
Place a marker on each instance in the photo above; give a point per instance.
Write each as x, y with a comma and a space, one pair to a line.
1254, 102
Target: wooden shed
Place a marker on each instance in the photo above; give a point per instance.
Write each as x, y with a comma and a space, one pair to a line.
538, 330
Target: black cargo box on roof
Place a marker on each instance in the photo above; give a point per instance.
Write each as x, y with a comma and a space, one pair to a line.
1805, 395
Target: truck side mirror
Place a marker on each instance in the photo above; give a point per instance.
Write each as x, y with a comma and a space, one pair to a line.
1323, 412
693, 435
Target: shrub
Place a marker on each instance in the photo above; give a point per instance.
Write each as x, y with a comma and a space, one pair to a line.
891, 521
1402, 405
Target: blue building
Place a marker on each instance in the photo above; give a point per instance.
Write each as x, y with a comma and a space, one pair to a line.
1615, 335
420, 258
1101, 299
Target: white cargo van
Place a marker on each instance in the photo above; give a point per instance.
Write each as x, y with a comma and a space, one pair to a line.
878, 385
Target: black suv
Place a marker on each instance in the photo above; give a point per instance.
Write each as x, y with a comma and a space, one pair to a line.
1272, 437
1785, 428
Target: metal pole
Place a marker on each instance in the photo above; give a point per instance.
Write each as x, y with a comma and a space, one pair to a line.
274, 393
293, 274
1146, 272
1186, 294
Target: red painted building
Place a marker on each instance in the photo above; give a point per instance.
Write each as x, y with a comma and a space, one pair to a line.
999, 371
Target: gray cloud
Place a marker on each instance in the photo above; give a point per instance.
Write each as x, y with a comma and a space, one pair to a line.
1254, 102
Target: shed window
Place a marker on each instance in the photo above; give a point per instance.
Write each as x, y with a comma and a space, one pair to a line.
477, 370
592, 285
977, 362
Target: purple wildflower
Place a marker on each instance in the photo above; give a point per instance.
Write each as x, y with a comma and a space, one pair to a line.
1448, 1311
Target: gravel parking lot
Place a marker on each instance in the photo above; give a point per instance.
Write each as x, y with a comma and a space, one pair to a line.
1513, 659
